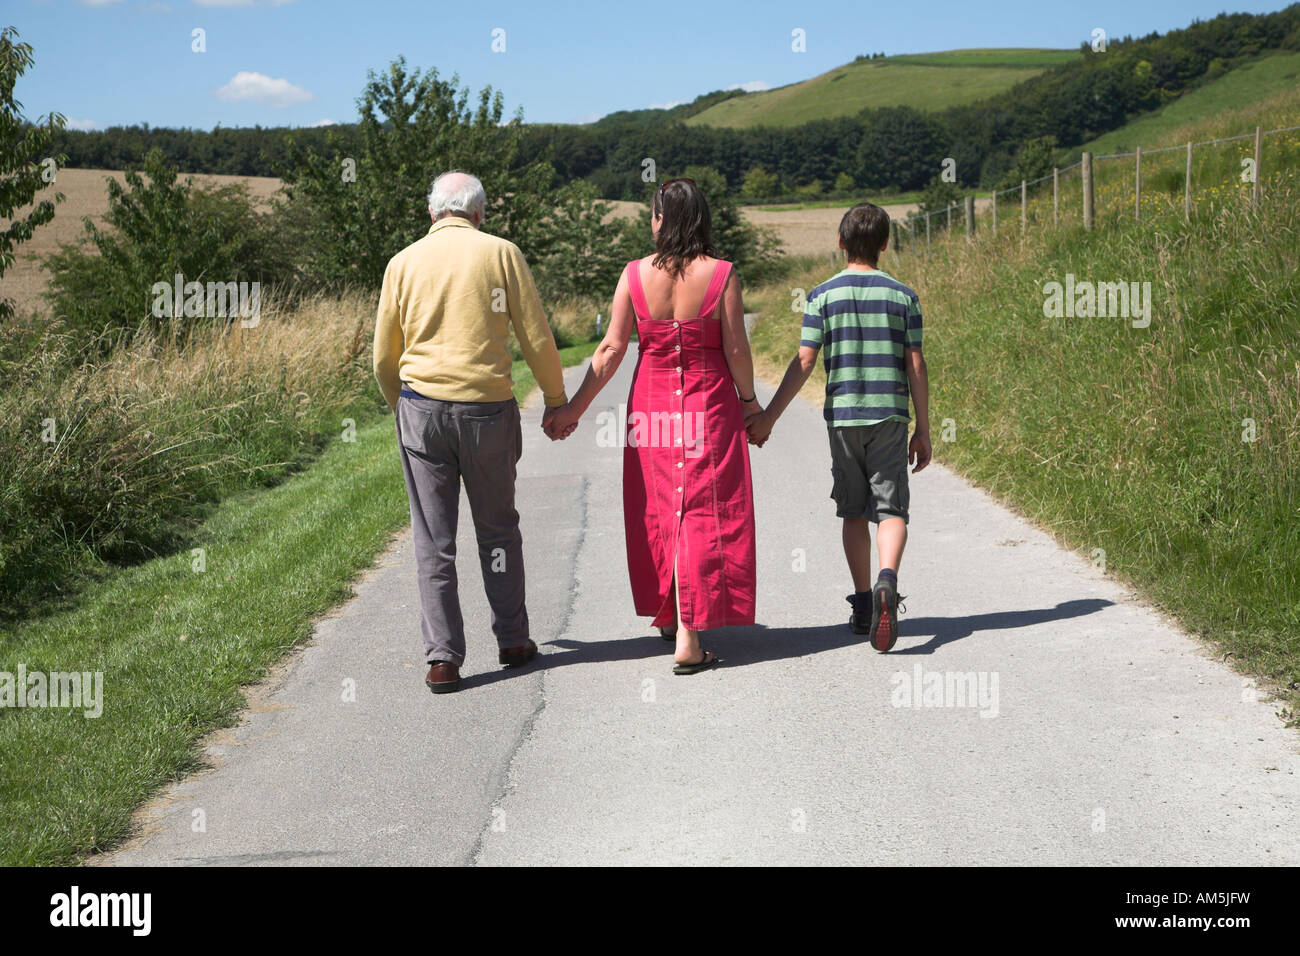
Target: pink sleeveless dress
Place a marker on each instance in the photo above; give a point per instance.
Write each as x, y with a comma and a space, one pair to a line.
688, 502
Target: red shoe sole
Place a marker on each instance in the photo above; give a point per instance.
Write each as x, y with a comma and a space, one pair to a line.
883, 639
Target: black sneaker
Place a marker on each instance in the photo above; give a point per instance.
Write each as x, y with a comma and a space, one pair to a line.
860, 619
885, 602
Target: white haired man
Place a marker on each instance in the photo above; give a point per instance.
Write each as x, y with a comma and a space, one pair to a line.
448, 304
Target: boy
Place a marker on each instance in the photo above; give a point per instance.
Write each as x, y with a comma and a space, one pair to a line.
869, 326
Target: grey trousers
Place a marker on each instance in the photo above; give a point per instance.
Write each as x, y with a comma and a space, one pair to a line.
479, 443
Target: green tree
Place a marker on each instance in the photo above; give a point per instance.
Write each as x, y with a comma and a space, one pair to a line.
582, 248
760, 184
356, 204
936, 198
844, 183
23, 152
901, 148
156, 227
811, 190
1035, 159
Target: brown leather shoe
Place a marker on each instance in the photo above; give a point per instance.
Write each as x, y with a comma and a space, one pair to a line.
443, 677
514, 656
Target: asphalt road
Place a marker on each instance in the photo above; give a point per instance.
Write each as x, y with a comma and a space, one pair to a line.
1096, 732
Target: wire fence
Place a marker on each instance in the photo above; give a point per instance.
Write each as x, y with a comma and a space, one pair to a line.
1157, 181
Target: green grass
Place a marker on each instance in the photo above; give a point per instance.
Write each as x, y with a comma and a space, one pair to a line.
1248, 83
931, 81
1022, 58
176, 645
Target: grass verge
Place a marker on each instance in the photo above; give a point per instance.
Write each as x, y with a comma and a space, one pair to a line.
175, 645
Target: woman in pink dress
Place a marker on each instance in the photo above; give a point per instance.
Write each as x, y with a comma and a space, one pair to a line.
688, 504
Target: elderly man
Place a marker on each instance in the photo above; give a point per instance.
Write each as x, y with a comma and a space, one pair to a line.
448, 304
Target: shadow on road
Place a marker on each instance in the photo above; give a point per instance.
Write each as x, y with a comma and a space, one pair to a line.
758, 644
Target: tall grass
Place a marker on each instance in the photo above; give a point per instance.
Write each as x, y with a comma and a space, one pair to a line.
115, 459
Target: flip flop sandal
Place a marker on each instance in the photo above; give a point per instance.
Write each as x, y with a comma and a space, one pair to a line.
668, 633
708, 660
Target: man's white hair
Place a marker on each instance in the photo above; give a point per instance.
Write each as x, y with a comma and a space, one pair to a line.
457, 192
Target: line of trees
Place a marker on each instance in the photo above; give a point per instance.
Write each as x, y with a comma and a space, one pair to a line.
992, 142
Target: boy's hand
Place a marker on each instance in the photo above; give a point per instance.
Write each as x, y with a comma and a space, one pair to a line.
759, 427
918, 451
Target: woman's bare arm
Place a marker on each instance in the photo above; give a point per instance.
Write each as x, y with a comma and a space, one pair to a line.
735, 343
609, 354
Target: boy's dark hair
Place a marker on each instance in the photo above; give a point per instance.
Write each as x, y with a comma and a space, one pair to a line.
686, 232
863, 230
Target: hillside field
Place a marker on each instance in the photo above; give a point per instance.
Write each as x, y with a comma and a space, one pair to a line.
926, 81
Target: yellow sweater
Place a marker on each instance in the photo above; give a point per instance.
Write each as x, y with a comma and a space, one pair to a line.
448, 303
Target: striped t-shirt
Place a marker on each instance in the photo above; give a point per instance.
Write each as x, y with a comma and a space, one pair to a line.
864, 320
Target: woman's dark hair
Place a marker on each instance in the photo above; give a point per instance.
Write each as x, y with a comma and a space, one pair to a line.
686, 232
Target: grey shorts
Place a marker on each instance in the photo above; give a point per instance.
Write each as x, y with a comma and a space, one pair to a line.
869, 468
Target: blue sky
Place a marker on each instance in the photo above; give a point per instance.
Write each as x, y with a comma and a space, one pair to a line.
303, 62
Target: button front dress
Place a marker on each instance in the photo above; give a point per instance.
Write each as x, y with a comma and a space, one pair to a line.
688, 503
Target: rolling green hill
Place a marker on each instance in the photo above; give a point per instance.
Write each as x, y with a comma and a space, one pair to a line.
927, 81
1248, 83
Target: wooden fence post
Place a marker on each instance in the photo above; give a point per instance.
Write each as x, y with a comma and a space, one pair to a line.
927, 229
1137, 186
1056, 196
1259, 144
970, 217
994, 197
1024, 207
950, 205
1187, 185
1085, 170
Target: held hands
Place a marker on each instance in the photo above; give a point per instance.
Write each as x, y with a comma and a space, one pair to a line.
758, 423
560, 422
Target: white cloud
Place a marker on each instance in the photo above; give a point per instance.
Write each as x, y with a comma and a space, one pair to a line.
326, 122
753, 86
84, 125
241, 3
247, 86
586, 118
99, 3
665, 106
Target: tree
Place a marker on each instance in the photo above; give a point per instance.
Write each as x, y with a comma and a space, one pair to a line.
901, 148
760, 184
356, 205
25, 163
936, 198
1035, 159
154, 230
582, 249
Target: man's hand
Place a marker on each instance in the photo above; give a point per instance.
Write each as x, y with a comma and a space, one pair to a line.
560, 422
918, 451
759, 427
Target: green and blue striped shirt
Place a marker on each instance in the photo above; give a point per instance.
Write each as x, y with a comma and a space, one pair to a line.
863, 321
